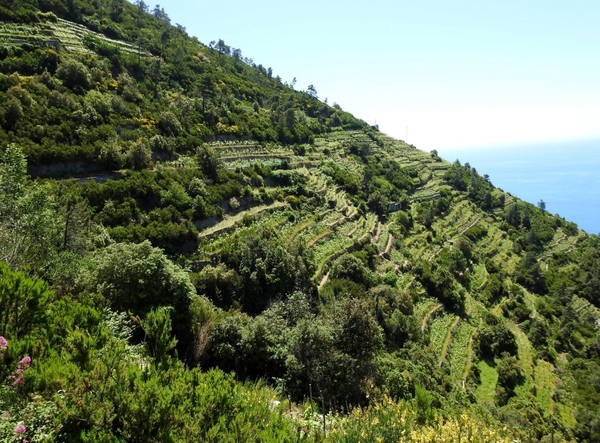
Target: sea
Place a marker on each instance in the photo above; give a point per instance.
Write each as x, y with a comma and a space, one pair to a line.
564, 174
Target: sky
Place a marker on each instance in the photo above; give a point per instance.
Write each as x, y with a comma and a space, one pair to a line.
439, 74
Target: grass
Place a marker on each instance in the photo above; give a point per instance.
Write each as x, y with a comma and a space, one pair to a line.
525, 353
447, 341
382, 241
460, 352
486, 391
321, 235
567, 415
329, 251
545, 385
525, 350
424, 308
561, 243
474, 308
439, 330
388, 245
306, 226
584, 308
479, 276
530, 302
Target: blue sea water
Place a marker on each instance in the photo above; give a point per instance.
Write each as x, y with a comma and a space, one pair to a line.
566, 175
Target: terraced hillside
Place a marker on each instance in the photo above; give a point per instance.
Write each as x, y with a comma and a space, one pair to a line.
453, 334
62, 35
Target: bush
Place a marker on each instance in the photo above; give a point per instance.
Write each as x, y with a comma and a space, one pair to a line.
495, 340
111, 156
169, 124
350, 267
74, 74
234, 203
138, 277
13, 111
22, 95
138, 155
22, 302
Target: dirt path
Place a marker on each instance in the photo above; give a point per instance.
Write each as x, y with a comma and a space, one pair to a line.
470, 226
351, 233
230, 222
388, 246
375, 238
428, 315
435, 254
324, 280
320, 236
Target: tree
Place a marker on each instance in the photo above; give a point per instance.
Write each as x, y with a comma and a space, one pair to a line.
169, 124
207, 90
350, 267
542, 205
160, 14
509, 375
220, 284
439, 283
360, 337
13, 111
345, 363
270, 268
237, 54
139, 155
74, 221
137, 277
312, 91
312, 356
424, 400
116, 11
27, 217
142, 8
530, 274
223, 48
495, 340
74, 74
110, 155
164, 39
23, 302
176, 196
158, 339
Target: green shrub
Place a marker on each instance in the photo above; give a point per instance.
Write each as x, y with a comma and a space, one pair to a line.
74, 74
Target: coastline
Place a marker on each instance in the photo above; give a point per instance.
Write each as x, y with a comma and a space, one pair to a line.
565, 174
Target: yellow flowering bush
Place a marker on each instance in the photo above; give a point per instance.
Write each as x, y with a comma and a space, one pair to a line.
389, 421
384, 421
227, 129
465, 429
144, 123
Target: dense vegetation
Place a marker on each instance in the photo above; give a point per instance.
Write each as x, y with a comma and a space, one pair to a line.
193, 250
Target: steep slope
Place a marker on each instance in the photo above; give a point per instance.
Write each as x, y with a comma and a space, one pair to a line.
333, 262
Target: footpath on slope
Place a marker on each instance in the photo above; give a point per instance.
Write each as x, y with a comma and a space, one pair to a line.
230, 222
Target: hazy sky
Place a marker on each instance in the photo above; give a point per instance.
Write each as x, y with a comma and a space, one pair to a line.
455, 73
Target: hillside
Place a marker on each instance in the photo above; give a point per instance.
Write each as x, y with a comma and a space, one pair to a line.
194, 250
